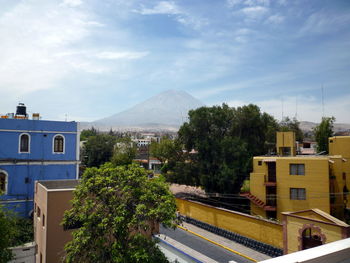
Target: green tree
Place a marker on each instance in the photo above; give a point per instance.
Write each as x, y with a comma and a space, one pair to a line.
322, 132
225, 140
115, 207
164, 150
85, 134
6, 232
98, 149
288, 124
124, 152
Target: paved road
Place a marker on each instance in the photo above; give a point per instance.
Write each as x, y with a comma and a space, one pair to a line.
206, 248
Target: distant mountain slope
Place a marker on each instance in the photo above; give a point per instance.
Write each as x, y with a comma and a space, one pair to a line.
308, 126
169, 108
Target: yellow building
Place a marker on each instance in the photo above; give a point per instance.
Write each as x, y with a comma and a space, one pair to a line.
290, 183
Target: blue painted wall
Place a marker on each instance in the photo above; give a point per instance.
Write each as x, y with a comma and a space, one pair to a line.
41, 163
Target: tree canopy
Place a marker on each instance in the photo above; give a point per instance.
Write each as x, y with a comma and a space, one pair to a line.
98, 149
116, 207
85, 134
322, 132
6, 231
124, 152
14, 231
288, 124
225, 139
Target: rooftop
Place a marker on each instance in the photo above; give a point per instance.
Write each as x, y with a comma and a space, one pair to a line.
59, 184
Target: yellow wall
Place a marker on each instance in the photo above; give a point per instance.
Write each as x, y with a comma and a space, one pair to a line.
256, 181
315, 181
285, 139
255, 228
340, 145
332, 232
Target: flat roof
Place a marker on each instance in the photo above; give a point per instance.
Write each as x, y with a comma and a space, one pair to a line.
59, 184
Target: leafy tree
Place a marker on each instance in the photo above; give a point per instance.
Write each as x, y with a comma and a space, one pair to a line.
322, 132
225, 139
98, 149
6, 231
124, 152
85, 134
164, 150
116, 207
288, 124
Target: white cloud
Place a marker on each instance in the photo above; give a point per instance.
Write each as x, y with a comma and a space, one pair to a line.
275, 19
170, 8
257, 2
161, 8
255, 12
191, 21
322, 22
72, 3
233, 3
37, 51
121, 55
251, 3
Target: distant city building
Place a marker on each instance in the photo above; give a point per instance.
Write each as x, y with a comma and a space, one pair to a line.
33, 149
289, 182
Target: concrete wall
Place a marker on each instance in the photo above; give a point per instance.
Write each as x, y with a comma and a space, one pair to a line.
259, 229
24, 253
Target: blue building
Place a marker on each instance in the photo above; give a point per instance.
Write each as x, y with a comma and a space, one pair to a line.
33, 150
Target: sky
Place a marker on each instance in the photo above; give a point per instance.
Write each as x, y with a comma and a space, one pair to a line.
88, 59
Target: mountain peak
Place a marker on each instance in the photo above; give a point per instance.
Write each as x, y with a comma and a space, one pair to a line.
168, 108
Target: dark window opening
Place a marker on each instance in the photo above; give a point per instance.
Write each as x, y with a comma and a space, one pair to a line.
2, 182
297, 194
24, 143
297, 169
58, 144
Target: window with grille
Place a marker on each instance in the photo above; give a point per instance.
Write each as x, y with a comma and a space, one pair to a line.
297, 169
58, 144
297, 194
24, 143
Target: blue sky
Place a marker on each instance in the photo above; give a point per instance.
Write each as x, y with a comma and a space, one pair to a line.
90, 59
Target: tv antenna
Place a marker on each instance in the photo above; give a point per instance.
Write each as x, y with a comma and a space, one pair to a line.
296, 107
282, 107
322, 101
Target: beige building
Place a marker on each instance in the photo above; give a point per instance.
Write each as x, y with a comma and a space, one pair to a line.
51, 199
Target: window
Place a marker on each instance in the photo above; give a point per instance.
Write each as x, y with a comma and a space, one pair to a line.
38, 212
3, 182
297, 169
43, 220
259, 163
58, 144
297, 194
24, 141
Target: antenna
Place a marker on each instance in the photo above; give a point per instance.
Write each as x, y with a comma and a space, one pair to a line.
296, 107
282, 107
322, 102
